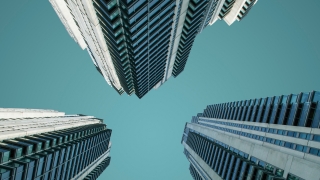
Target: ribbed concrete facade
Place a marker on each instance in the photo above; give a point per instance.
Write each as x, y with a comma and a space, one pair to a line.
232, 10
14, 113
46, 144
274, 137
138, 45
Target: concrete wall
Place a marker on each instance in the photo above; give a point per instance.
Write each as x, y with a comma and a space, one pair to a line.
6, 113
13, 128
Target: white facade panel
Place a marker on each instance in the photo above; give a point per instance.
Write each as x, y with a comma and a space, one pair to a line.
89, 28
22, 122
232, 15
176, 39
291, 161
66, 18
6, 113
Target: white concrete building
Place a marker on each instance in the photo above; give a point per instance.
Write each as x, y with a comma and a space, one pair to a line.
267, 138
232, 10
30, 136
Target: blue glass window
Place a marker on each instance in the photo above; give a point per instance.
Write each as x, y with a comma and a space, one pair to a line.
292, 134
299, 147
293, 98
304, 136
253, 159
271, 130
314, 151
262, 163
284, 99
316, 138
276, 99
304, 97
316, 97
288, 145
4, 155
268, 140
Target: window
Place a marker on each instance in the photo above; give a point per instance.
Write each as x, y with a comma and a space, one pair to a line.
40, 164
314, 151
293, 177
304, 136
268, 140
284, 99
316, 138
293, 98
253, 159
288, 145
279, 172
316, 96
280, 132
4, 173
262, 163
290, 133
270, 130
269, 167
304, 97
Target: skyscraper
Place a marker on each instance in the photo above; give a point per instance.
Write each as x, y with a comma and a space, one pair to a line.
266, 138
138, 45
46, 144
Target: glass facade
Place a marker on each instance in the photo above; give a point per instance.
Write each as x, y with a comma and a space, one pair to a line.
287, 123
194, 173
138, 45
94, 174
301, 109
194, 18
245, 9
226, 8
265, 138
137, 34
228, 162
140, 37
60, 154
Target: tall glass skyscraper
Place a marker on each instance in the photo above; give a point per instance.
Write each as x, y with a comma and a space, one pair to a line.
266, 138
138, 45
46, 144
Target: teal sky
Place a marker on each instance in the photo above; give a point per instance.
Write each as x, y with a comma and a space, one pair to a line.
275, 50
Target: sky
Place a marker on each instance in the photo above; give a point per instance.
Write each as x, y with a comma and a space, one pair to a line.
274, 50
